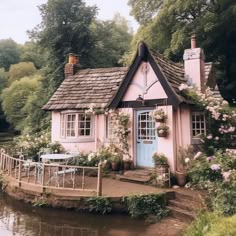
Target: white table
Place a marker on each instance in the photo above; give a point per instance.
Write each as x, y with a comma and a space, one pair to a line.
56, 157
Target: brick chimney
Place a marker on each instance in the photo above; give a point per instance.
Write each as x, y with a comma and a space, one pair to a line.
194, 65
72, 66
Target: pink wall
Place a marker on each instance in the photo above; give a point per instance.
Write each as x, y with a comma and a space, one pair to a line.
75, 144
142, 84
167, 145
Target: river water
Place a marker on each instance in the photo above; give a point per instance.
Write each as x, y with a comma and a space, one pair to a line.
18, 218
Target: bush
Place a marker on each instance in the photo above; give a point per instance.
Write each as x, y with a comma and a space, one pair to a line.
31, 144
84, 159
210, 224
217, 174
100, 205
224, 196
142, 206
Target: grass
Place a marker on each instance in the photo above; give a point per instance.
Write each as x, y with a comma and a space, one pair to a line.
211, 224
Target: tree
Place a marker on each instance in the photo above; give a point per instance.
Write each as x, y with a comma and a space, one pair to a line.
65, 28
31, 52
144, 11
20, 70
15, 98
111, 39
213, 22
3, 79
9, 53
3, 83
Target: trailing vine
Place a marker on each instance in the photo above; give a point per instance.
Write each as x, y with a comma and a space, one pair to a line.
120, 122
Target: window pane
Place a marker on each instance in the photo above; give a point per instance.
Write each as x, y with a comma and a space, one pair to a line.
198, 124
84, 125
146, 127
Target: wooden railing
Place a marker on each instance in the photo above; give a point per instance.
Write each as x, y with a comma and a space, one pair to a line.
52, 176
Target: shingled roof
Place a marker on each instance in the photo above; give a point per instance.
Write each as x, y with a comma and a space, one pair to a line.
88, 86
174, 72
102, 86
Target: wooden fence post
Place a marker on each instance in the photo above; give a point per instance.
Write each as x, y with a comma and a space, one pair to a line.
99, 183
19, 173
43, 179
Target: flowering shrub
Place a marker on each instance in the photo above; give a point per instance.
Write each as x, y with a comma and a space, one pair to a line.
84, 159
158, 114
217, 174
185, 156
222, 118
103, 155
31, 144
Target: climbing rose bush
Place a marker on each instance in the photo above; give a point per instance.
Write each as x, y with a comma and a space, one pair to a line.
221, 118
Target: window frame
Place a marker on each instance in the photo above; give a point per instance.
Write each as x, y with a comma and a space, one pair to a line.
197, 139
64, 125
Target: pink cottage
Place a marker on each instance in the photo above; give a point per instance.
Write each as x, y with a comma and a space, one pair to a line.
151, 82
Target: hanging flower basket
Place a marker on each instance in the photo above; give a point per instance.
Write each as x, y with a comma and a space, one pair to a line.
159, 115
162, 130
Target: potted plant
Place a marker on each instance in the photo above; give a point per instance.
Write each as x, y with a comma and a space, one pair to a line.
159, 115
159, 159
115, 161
127, 163
185, 155
161, 169
162, 130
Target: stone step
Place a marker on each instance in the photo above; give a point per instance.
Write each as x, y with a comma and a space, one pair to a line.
185, 205
195, 197
132, 179
181, 214
138, 173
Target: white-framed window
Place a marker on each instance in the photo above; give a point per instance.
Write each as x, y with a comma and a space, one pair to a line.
110, 129
75, 125
198, 124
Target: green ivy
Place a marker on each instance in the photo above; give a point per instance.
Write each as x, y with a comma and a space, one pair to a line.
143, 206
99, 205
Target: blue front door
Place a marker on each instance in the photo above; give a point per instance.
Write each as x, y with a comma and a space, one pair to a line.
145, 138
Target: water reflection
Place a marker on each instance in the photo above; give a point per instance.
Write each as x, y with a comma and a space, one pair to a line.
18, 218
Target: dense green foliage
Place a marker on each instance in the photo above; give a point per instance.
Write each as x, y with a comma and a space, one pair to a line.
9, 53
101, 205
110, 41
217, 175
210, 224
15, 99
67, 26
142, 206
20, 70
167, 26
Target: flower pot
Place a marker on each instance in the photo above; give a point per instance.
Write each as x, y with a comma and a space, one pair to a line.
164, 134
181, 178
127, 165
115, 166
160, 120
